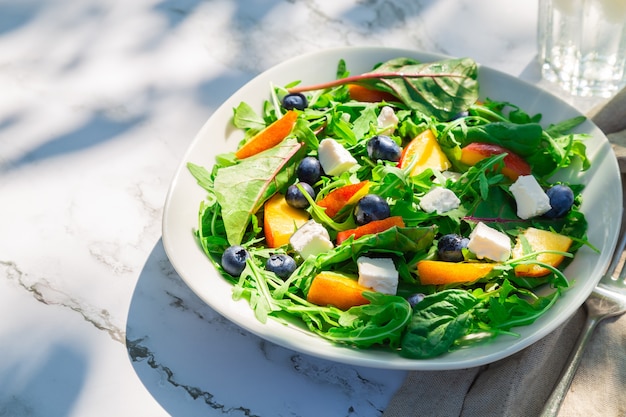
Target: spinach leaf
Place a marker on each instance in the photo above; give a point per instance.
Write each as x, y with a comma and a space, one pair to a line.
522, 139
401, 240
243, 188
437, 322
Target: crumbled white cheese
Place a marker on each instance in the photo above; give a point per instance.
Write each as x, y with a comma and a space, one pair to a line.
439, 199
379, 274
442, 177
451, 175
387, 121
487, 242
311, 239
530, 198
334, 158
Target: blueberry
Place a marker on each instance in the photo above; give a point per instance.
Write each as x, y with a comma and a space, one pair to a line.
295, 101
460, 115
371, 207
415, 298
309, 170
450, 247
384, 148
295, 198
561, 201
234, 260
280, 264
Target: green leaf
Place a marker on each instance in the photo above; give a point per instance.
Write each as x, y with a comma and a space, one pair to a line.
202, 176
382, 321
564, 127
402, 240
522, 139
245, 117
243, 188
441, 89
437, 322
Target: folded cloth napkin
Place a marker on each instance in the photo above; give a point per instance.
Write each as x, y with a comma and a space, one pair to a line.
519, 385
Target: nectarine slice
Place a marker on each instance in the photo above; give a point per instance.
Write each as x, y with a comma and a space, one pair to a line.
269, 137
441, 272
514, 165
371, 228
332, 288
280, 221
424, 152
343, 196
541, 240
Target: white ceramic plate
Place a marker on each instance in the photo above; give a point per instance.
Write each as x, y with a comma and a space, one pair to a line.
602, 206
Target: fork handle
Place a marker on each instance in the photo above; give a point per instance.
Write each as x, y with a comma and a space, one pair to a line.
552, 406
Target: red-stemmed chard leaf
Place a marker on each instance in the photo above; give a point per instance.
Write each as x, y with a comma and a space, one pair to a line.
242, 189
441, 89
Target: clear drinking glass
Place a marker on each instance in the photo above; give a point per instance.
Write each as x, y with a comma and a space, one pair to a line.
582, 45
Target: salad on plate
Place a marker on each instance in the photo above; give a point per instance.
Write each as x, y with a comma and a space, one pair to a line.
394, 210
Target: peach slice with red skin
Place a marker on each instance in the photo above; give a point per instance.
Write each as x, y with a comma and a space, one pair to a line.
514, 165
371, 228
369, 95
280, 220
343, 196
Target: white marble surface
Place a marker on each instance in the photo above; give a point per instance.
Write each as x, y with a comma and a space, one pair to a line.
98, 101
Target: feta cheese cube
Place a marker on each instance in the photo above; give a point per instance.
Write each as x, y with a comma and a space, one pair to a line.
379, 274
439, 199
387, 121
487, 242
311, 239
530, 198
334, 158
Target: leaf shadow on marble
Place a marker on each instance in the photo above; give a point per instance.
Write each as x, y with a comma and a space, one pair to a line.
175, 10
195, 362
98, 129
50, 388
17, 14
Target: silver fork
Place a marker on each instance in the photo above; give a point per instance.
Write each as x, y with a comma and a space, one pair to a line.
608, 299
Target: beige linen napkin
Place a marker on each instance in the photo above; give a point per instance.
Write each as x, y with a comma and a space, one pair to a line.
518, 386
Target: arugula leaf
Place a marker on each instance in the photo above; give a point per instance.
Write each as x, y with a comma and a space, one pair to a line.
382, 321
564, 127
202, 176
258, 294
245, 117
243, 188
